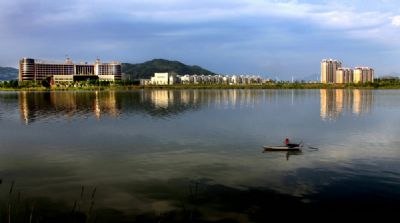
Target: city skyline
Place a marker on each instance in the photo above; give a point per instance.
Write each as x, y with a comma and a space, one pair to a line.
271, 38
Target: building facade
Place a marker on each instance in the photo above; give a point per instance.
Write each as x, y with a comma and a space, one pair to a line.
169, 79
363, 75
328, 70
163, 79
37, 70
333, 72
344, 75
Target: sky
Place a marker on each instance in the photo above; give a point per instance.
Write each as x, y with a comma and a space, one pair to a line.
272, 38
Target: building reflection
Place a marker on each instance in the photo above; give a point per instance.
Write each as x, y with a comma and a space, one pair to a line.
23, 107
49, 105
157, 103
221, 98
106, 104
336, 101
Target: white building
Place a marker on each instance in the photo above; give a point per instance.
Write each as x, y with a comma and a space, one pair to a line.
235, 80
186, 79
163, 79
169, 79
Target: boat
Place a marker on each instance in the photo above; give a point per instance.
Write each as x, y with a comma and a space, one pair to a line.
282, 148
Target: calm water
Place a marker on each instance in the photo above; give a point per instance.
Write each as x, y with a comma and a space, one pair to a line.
197, 154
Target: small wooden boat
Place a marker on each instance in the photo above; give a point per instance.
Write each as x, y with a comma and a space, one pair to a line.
282, 148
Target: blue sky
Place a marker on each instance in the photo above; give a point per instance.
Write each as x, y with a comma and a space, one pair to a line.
273, 38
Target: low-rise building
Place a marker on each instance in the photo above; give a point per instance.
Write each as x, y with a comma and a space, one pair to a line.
37, 70
63, 79
163, 79
145, 81
169, 79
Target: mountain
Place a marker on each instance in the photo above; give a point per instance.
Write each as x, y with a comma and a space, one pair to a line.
8, 73
147, 69
312, 77
392, 75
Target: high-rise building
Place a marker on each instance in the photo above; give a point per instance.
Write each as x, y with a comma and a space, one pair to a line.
363, 75
36, 70
328, 70
344, 75
332, 72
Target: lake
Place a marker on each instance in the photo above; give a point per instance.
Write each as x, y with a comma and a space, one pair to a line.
196, 155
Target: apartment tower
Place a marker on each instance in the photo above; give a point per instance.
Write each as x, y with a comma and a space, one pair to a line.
344, 75
328, 70
363, 75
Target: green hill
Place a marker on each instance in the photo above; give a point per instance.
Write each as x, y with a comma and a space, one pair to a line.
147, 69
8, 73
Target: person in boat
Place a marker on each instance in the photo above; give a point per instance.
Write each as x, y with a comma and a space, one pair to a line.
290, 145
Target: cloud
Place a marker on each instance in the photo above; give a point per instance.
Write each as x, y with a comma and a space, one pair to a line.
249, 31
349, 19
396, 21
325, 15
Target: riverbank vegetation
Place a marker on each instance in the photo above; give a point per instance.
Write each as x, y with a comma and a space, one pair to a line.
14, 85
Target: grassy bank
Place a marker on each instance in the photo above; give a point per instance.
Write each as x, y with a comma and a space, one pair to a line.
33, 86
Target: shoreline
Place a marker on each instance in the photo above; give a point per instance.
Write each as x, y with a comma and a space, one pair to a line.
278, 86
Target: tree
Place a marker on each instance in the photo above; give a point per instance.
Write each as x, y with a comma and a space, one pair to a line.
46, 82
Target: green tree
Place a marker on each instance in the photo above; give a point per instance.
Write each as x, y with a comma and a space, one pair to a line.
46, 82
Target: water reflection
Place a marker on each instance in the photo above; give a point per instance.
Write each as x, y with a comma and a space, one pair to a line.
194, 155
157, 103
49, 105
287, 154
167, 103
336, 101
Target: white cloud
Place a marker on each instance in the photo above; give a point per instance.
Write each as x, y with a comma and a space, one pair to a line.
328, 15
396, 21
254, 20
350, 19
205, 11
325, 15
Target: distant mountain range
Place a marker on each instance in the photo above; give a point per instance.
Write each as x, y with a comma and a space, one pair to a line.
8, 73
312, 77
147, 69
392, 75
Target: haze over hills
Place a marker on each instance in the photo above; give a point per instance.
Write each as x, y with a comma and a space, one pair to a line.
8, 73
147, 69
311, 77
392, 75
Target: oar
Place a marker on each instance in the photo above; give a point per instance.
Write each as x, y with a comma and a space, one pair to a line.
314, 148
310, 147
